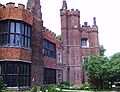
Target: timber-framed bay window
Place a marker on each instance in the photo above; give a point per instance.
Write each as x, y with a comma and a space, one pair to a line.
15, 74
15, 33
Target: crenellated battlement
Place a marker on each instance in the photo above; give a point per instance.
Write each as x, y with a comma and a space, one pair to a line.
49, 31
12, 5
10, 11
74, 12
89, 28
1, 6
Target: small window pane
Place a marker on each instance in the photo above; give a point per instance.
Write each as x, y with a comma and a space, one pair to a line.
6, 26
26, 30
17, 27
12, 27
9, 81
27, 80
84, 42
15, 69
29, 42
0, 39
1, 27
23, 29
0, 69
25, 69
23, 41
4, 39
14, 81
9, 68
11, 39
17, 41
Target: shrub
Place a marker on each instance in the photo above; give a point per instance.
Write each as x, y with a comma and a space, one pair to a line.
74, 87
38, 89
64, 84
85, 86
52, 89
2, 84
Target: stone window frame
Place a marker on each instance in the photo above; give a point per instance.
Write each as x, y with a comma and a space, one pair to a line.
84, 42
59, 57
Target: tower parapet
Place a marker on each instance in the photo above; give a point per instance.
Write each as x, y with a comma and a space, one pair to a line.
21, 6
10, 11
87, 27
74, 12
90, 28
2, 6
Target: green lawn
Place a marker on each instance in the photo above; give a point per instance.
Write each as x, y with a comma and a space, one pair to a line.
67, 91
86, 91
62, 91
15, 91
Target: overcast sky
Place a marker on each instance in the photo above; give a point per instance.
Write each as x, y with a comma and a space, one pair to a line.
107, 13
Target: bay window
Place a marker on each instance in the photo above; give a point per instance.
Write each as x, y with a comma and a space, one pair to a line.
15, 74
15, 33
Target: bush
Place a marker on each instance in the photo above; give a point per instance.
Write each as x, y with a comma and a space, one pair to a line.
75, 87
64, 84
52, 89
38, 89
85, 86
2, 84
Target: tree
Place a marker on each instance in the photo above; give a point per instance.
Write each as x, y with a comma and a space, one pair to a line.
102, 50
2, 84
115, 67
101, 71
96, 69
58, 37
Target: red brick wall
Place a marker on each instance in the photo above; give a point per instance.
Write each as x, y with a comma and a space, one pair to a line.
16, 14
37, 67
15, 54
49, 36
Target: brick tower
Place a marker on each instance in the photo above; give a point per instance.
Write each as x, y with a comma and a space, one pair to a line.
77, 42
35, 7
70, 26
37, 67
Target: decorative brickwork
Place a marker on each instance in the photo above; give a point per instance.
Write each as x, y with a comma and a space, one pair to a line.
12, 53
17, 13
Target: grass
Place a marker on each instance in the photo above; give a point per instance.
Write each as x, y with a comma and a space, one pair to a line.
67, 90
15, 91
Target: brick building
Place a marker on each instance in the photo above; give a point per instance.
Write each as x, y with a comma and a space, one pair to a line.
78, 42
31, 54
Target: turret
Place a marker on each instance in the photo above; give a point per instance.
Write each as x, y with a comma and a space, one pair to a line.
95, 27
64, 6
94, 21
35, 7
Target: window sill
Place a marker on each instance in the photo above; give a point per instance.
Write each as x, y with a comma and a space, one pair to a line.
49, 58
15, 47
84, 47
